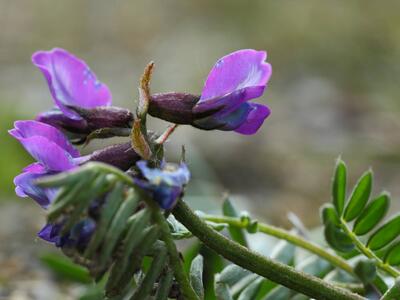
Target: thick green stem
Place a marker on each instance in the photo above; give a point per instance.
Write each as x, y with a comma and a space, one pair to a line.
263, 266
285, 235
368, 252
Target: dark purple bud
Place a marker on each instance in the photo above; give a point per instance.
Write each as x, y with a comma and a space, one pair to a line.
91, 119
173, 107
121, 156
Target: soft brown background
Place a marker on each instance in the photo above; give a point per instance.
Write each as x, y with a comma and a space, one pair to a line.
334, 90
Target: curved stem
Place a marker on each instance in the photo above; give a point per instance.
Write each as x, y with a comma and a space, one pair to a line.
368, 252
263, 266
287, 236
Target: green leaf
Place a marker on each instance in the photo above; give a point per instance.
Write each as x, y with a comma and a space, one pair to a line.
279, 293
339, 186
386, 234
359, 197
250, 292
337, 239
392, 256
284, 252
372, 215
329, 214
232, 274
196, 276
365, 271
222, 291
164, 285
65, 268
236, 234
146, 285
113, 203
117, 226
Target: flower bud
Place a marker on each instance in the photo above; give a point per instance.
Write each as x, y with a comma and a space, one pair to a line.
121, 156
91, 119
173, 107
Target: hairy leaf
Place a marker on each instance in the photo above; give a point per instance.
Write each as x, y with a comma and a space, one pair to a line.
251, 290
392, 256
337, 238
359, 197
386, 234
329, 214
196, 276
236, 234
339, 186
372, 215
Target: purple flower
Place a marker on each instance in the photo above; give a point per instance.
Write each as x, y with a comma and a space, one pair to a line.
53, 152
165, 184
71, 82
82, 102
78, 237
233, 81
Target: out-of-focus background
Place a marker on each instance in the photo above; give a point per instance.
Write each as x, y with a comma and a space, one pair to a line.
334, 91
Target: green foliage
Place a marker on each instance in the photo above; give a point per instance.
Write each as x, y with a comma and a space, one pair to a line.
238, 235
339, 186
344, 237
65, 268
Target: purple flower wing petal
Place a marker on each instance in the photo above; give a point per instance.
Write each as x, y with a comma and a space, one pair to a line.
70, 80
228, 102
240, 70
25, 187
225, 121
254, 120
48, 153
28, 129
50, 233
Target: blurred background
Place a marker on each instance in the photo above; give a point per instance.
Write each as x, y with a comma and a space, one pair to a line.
334, 91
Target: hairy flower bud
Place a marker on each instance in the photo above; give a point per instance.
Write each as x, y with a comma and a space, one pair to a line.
91, 119
173, 107
121, 156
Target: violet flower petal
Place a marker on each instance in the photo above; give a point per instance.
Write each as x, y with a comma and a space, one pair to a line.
255, 119
236, 78
30, 128
26, 187
71, 82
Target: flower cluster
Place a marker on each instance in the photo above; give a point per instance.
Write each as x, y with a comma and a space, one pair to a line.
82, 110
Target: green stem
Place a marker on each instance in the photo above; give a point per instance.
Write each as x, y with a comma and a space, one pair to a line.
394, 292
368, 252
174, 258
263, 266
285, 235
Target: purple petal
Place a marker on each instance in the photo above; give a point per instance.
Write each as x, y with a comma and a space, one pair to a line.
225, 120
28, 129
255, 119
71, 82
237, 77
26, 187
50, 233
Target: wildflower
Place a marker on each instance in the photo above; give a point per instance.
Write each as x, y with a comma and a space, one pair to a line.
165, 183
82, 101
78, 237
223, 104
54, 153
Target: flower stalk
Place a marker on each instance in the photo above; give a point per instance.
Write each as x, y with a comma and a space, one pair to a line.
287, 236
263, 266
